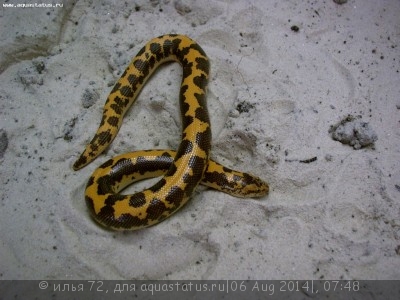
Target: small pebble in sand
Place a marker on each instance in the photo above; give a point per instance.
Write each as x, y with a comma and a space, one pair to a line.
30, 76
3, 142
68, 128
89, 98
340, 1
244, 106
355, 132
181, 7
295, 28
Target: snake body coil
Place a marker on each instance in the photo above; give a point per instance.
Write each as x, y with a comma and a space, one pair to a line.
182, 170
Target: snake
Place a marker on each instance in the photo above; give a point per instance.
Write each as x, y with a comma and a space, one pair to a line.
181, 170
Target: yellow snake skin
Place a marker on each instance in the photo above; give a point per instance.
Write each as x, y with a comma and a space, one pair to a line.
182, 170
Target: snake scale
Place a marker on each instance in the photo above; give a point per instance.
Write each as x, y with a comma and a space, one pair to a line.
182, 170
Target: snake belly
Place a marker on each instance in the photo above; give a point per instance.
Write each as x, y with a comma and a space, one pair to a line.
183, 170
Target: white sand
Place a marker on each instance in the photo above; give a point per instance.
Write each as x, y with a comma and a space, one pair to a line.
334, 217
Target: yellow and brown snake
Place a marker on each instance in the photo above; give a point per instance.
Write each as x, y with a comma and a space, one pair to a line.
182, 170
